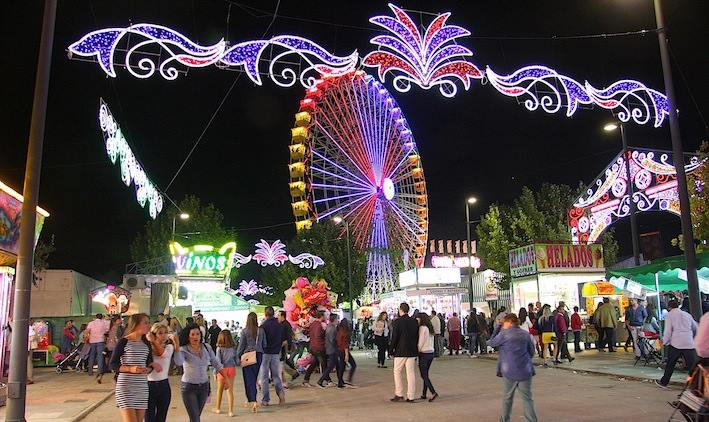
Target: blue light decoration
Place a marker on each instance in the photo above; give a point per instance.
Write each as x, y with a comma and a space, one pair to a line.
131, 171
102, 46
427, 60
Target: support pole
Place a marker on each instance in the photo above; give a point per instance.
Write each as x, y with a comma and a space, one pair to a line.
17, 381
470, 260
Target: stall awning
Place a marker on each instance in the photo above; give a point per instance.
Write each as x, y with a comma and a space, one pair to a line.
669, 272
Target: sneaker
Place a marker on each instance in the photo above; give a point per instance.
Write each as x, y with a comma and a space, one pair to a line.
472, 356
664, 387
321, 385
306, 384
396, 398
383, 366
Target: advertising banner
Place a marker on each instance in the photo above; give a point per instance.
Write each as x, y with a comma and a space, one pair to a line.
10, 216
562, 258
522, 261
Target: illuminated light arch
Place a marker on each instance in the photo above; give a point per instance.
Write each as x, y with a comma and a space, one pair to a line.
607, 200
429, 59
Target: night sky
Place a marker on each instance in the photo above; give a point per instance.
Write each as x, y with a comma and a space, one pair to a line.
479, 142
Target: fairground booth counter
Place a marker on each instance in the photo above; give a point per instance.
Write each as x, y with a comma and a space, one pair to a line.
10, 217
426, 289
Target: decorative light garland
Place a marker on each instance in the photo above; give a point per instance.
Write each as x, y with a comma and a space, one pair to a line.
131, 170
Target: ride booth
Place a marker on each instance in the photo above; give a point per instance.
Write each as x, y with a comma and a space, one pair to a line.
10, 217
427, 289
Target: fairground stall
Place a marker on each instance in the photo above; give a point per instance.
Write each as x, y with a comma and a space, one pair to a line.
426, 289
10, 217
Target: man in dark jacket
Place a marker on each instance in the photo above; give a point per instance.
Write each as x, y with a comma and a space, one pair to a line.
473, 330
316, 332
404, 347
270, 364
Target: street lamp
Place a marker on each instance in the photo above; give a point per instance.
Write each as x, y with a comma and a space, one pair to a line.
611, 127
471, 201
338, 220
183, 216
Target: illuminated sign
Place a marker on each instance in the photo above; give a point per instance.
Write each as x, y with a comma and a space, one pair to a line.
442, 261
10, 217
204, 261
555, 258
428, 276
115, 299
522, 261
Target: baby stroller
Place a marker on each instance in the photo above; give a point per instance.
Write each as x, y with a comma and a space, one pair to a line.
74, 357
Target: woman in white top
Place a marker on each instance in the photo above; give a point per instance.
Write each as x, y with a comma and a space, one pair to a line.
425, 348
162, 347
381, 335
524, 322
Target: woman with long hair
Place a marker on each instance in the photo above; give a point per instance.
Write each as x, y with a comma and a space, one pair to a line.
381, 335
115, 332
195, 381
426, 351
249, 342
163, 346
546, 326
343, 337
524, 322
226, 355
132, 361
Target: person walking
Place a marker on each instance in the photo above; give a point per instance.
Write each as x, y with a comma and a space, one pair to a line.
608, 321
404, 348
226, 356
316, 332
680, 329
546, 326
132, 361
473, 330
634, 320
272, 334
68, 336
426, 353
114, 334
286, 346
515, 367
196, 357
250, 346
343, 339
333, 356
381, 338
162, 346
213, 334
436, 323
97, 330
453, 334
560, 330
576, 326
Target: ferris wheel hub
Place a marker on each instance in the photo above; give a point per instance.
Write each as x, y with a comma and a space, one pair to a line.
388, 189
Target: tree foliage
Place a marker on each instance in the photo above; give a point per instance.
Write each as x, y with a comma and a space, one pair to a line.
41, 258
205, 226
539, 216
698, 184
327, 241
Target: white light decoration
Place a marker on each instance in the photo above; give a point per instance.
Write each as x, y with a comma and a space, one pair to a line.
608, 199
131, 171
275, 254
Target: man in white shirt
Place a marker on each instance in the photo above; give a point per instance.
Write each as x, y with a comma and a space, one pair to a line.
680, 328
436, 322
97, 330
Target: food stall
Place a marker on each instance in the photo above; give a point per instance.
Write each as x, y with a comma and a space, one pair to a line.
426, 289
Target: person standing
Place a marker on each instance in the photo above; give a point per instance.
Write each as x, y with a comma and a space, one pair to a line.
608, 321
343, 339
680, 328
97, 330
576, 326
248, 343
272, 334
436, 323
381, 338
483, 333
333, 356
114, 334
560, 330
426, 351
317, 347
454, 334
226, 355
132, 361
515, 367
68, 336
213, 334
287, 345
162, 320
634, 319
473, 330
404, 348
546, 326
162, 347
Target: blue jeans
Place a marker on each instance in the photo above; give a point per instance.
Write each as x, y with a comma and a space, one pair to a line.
472, 342
194, 396
159, 396
333, 362
250, 374
271, 366
96, 354
425, 361
508, 394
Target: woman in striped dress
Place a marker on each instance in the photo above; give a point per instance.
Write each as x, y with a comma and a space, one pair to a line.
132, 361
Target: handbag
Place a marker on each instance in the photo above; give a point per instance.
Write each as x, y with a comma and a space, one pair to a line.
248, 358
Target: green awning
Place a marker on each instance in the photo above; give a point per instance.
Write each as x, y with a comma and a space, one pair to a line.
667, 269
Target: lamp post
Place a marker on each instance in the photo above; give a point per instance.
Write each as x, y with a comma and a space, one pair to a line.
338, 220
470, 201
610, 127
183, 216
678, 158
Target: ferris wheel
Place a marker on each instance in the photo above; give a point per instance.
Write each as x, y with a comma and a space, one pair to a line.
353, 156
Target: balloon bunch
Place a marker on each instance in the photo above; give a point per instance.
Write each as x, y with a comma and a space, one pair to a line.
305, 298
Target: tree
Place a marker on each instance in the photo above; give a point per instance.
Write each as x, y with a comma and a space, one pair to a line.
205, 226
539, 216
327, 241
698, 183
41, 258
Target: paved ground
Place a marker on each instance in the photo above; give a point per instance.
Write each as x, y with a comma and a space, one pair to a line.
469, 390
